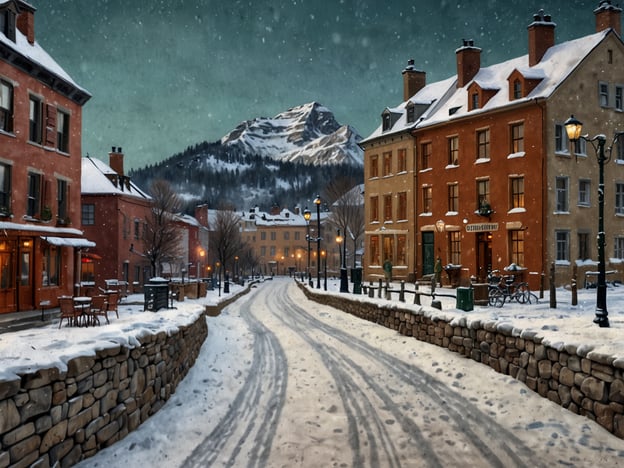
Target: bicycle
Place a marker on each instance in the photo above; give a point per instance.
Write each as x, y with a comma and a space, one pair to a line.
505, 288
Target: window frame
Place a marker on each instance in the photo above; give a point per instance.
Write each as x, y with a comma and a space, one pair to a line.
87, 216
516, 246
386, 169
425, 155
62, 199
427, 199
34, 187
453, 150
401, 160
453, 197
402, 206
516, 135
584, 192
562, 194
603, 94
618, 204
6, 111
374, 166
562, 245
483, 143
483, 192
374, 209
387, 208
62, 130
516, 192
35, 119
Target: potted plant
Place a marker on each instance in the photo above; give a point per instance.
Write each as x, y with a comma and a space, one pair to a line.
485, 209
46, 213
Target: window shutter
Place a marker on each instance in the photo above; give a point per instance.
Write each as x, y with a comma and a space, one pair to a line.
50, 126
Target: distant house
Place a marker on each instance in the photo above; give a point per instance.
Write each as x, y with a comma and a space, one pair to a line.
114, 211
40, 153
477, 169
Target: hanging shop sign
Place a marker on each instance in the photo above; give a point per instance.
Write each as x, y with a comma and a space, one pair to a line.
481, 227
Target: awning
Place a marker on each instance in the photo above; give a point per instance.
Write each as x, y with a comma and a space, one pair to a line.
77, 242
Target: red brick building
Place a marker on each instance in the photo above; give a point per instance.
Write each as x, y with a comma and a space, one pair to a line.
40, 154
477, 170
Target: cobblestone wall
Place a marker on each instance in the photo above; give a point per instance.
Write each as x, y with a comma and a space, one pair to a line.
54, 418
589, 386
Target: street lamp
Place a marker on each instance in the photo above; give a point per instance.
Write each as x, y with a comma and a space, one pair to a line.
324, 257
307, 215
574, 128
344, 281
317, 202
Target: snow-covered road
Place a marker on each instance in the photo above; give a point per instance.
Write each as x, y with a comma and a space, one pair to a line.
286, 382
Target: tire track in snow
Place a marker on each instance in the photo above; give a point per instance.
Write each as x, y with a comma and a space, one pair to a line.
246, 432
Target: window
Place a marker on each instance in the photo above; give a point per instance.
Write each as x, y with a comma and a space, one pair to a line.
35, 129
272, 251
427, 193
561, 186
374, 250
286, 252
62, 131
483, 192
402, 160
516, 247
453, 151
584, 191
401, 258
34, 194
474, 101
6, 106
454, 239
583, 246
603, 94
618, 97
5, 189
374, 166
297, 235
425, 155
517, 138
263, 251
387, 207
387, 163
619, 198
562, 239
580, 147
7, 24
286, 235
137, 229
619, 148
402, 205
62, 200
516, 192
87, 269
386, 121
453, 197
483, 144
561, 139
51, 266
273, 235
619, 247
517, 89
410, 112
88, 214
388, 248
374, 209
263, 236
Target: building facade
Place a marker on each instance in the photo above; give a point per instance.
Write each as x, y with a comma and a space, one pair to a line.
493, 182
40, 154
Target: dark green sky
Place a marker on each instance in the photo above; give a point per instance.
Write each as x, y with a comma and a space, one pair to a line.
166, 74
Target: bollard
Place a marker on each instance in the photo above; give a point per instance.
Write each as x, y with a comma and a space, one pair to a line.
371, 290
553, 296
402, 293
574, 287
380, 287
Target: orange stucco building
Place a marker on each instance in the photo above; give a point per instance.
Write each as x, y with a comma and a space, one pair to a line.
40, 153
476, 170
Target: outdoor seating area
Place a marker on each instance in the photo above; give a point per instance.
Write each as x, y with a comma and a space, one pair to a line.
86, 311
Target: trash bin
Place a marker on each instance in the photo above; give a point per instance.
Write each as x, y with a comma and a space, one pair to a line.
465, 299
356, 278
156, 294
481, 291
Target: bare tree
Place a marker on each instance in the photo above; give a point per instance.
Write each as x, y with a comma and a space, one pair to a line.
345, 198
162, 236
226, 237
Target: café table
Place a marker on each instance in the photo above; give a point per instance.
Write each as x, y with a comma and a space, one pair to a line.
83, 303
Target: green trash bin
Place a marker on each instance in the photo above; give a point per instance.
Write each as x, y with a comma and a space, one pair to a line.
465, 299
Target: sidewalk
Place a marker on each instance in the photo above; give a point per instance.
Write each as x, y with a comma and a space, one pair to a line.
15, 321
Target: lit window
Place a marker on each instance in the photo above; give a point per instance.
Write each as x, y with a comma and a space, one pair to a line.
453, 197
483, 144
402, 160
387, 207
427, 199
516, 185
374, 209
387, 163
517, 138
516, 240
453, 151
425, 155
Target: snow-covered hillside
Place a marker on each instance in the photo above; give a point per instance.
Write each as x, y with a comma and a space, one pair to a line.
307, 134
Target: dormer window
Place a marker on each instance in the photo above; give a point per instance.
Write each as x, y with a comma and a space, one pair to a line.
386, 121
474, 104
410, 112
7, 23
517, 89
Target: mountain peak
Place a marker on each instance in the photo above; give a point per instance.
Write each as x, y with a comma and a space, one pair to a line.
308, 134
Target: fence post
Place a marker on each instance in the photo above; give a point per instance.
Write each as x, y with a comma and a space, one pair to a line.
380, 287
416, 294
574, 287
402, 293
553, 295
371, 290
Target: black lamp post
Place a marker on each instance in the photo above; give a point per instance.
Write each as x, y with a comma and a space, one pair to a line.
317, 202
573, 129
344, 281
307, 215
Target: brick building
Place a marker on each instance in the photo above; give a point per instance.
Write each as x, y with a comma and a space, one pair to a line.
40, 154
477, 169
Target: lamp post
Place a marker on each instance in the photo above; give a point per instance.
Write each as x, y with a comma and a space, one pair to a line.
307, 215
324, 257
573, 129
344, 281
317, 202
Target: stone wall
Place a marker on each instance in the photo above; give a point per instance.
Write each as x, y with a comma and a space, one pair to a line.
589, 386
55, 418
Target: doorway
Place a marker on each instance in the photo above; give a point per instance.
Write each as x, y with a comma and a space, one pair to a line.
428, 253
484, 255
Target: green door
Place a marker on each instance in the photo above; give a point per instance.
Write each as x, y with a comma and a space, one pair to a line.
428, 253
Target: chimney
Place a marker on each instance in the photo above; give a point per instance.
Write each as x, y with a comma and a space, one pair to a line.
608, 16
115, 158
26, 22
541, 37
413, 80
468, 62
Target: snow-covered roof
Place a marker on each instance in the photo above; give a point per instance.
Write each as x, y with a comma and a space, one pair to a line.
284, 218
36, 54
447, 102
94, 180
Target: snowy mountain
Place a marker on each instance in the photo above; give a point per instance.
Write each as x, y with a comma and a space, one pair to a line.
284, 161
307, 134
